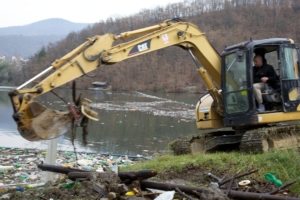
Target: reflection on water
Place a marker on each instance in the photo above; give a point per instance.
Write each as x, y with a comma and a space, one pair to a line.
130, 123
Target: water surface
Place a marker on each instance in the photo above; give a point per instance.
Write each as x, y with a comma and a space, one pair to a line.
130, 123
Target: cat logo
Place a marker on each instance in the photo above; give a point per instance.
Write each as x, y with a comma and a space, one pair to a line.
143, 46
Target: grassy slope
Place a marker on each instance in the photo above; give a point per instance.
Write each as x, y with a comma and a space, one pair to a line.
285, 164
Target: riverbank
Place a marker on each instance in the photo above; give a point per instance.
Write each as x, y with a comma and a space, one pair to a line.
22, 179
193, 169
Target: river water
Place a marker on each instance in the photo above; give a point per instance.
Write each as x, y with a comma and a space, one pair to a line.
130, 123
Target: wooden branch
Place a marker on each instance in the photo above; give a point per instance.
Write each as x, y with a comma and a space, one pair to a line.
232, 194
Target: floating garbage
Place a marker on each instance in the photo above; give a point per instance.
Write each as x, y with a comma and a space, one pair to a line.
19, 171
6, 168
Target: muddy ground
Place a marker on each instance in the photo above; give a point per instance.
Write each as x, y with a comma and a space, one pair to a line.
64, 189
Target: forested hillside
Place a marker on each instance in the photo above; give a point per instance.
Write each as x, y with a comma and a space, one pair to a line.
225, 22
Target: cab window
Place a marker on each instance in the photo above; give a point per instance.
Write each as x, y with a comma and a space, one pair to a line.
290, 69
236, 93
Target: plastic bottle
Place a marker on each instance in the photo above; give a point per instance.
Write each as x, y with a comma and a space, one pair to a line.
273, 179
6, 168
20, 188
23, 176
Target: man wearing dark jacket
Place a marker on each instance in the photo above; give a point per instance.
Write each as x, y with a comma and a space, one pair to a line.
262, 74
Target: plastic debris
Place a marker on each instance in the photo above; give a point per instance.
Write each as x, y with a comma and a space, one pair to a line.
169, 195
19, 166
33, 177
68, 185
6, 168
273, 179
84, 162
244, 183
23, 176
130, 193
20, 189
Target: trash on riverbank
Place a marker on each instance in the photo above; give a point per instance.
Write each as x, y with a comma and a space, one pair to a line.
107, 185
18, 167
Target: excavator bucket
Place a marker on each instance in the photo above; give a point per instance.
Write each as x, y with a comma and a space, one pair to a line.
41, 123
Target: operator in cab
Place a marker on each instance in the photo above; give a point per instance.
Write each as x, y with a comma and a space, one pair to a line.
262, 74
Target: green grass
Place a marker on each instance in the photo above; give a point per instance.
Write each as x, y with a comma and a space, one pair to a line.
285, 164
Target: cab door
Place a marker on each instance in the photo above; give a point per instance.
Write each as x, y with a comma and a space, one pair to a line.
290, 82
237, 90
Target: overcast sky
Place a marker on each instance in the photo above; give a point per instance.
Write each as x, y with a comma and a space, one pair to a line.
20, 12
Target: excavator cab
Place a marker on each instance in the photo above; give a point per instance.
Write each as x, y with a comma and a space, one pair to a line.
251, 130
240, 106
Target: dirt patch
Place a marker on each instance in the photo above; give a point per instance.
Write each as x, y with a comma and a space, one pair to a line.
198, 176
195, 175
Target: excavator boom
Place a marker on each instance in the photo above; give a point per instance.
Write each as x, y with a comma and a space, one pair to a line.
37, 122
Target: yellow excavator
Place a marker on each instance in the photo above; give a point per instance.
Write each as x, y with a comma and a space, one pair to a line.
229, 110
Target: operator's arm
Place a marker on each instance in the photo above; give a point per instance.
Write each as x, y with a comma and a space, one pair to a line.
256, 76
271, 74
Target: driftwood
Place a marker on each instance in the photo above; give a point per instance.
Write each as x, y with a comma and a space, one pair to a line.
232, 193
58, 169
80, 176
77, 174
184, 195
128, 177
283, 187
237, 176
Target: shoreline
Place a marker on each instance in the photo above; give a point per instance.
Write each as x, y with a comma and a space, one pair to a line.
18, 167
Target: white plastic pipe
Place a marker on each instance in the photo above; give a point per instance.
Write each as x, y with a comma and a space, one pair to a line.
51, 159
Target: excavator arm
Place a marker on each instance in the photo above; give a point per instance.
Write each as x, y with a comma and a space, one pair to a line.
37, 122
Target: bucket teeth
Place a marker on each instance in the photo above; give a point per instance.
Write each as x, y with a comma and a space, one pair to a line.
87, 111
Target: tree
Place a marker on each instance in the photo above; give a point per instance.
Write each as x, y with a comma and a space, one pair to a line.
5, 72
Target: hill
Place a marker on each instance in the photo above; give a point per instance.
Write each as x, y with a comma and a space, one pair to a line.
54, 26
225, 22
26, 40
